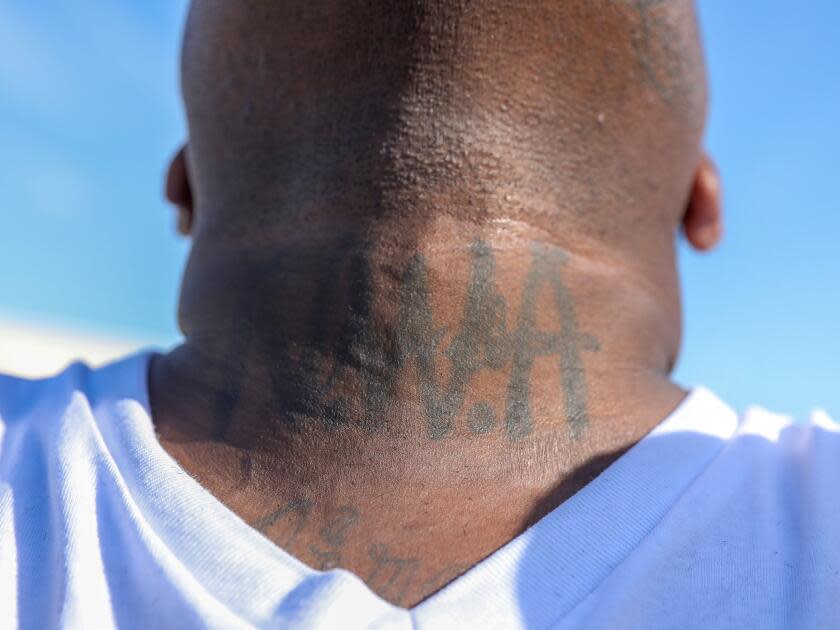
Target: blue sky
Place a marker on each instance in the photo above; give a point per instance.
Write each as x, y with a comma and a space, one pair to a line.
89, 115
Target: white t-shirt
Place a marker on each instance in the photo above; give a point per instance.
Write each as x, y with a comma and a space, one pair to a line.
709, 522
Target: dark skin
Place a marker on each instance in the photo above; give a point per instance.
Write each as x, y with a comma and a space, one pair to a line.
433, 290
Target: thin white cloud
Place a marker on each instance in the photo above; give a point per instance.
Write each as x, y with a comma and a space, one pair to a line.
36, 350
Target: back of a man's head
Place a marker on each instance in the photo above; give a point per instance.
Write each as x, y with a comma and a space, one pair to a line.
433, 250
580, 117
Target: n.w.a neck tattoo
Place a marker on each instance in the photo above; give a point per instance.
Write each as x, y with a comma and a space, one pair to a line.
486, 338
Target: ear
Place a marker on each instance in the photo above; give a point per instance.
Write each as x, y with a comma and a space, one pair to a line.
179, 190
703, 218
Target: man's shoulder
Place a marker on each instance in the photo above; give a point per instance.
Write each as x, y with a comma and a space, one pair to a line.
783, 460
38, 404
757, 521
24, 400
793, 434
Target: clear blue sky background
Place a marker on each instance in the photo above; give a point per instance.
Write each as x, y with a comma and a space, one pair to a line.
89, 114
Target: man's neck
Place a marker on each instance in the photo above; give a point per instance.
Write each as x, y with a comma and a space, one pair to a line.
465, 332
359, 367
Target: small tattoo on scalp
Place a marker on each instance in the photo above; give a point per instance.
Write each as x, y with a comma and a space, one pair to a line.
662, 56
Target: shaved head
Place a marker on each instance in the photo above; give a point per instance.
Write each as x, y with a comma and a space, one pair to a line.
580, 115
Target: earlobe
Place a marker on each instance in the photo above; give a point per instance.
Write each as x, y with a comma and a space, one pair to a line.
179, 191
703, 218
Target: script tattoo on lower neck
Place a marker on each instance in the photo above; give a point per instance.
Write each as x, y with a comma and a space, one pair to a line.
388, 573
285, 525
377, 354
